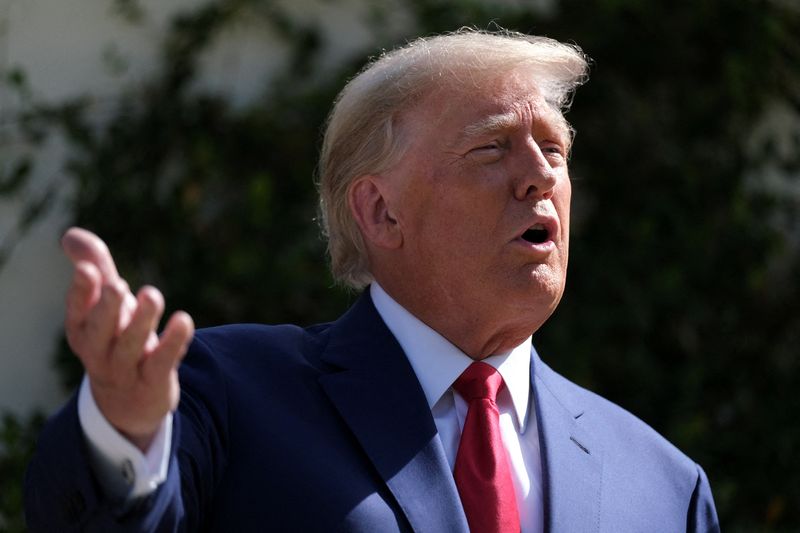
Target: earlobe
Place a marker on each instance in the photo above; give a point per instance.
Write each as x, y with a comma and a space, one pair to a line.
371, 209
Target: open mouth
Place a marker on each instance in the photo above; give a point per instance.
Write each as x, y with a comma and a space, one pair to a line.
537, 234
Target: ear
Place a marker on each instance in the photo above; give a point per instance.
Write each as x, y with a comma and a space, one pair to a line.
370, 207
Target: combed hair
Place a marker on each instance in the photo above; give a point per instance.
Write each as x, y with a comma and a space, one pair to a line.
363, 133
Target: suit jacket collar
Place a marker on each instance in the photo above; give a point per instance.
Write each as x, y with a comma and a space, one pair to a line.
572, 459
378, 396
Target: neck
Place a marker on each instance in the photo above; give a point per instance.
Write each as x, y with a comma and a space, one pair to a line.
465, 324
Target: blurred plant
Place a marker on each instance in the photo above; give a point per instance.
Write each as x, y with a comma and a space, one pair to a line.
211, 203
682, 303
17, 441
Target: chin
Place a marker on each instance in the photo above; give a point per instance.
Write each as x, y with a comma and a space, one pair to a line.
545, 278
537, 299
540, 291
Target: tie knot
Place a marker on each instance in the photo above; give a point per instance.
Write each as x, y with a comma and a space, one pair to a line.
479, 381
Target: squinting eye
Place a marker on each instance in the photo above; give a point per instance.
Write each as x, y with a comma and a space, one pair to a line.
490, 146
487, 153
552, 149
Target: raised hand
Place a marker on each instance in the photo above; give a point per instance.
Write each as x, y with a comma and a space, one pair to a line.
132, 371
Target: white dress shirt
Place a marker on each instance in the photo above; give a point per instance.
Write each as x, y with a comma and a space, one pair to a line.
126, 473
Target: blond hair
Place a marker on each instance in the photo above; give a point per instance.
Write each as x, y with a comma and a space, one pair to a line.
363, 134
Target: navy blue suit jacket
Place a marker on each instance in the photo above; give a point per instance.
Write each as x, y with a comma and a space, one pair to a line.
326, 428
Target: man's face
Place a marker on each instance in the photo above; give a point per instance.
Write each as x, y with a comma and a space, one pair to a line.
482, 196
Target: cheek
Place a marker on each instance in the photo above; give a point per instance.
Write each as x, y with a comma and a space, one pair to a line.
430, 225
561, 200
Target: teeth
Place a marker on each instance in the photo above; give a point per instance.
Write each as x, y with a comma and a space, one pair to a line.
537, 226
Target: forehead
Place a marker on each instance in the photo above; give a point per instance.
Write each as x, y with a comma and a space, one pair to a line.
472, 105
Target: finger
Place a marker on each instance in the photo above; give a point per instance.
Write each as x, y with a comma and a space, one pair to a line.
172, 347
102, 323
129, 304
82, 245
132, 342
83, 293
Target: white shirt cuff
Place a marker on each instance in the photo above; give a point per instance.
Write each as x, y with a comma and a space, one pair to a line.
122, 469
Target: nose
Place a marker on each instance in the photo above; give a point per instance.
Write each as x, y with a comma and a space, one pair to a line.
535, 177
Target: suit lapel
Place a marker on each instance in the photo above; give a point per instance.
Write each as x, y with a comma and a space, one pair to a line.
571, 458
379, 397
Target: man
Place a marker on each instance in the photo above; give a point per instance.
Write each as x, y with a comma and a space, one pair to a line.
444, 189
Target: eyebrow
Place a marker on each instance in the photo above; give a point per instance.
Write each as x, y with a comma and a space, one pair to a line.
490, 124
501, 122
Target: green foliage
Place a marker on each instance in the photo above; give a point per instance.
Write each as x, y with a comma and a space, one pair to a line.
17, 441
682, 303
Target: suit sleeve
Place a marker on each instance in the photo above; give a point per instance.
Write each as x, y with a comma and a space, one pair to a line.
702, 516
63, 494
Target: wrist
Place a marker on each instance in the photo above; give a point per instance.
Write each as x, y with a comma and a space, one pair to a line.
136, 429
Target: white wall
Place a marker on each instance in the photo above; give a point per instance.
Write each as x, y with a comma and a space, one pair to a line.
61, 45
32, 288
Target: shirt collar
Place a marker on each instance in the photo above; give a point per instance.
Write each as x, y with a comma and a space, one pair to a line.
437, 362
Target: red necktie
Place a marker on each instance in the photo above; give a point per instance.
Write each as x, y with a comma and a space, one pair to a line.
482, 474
